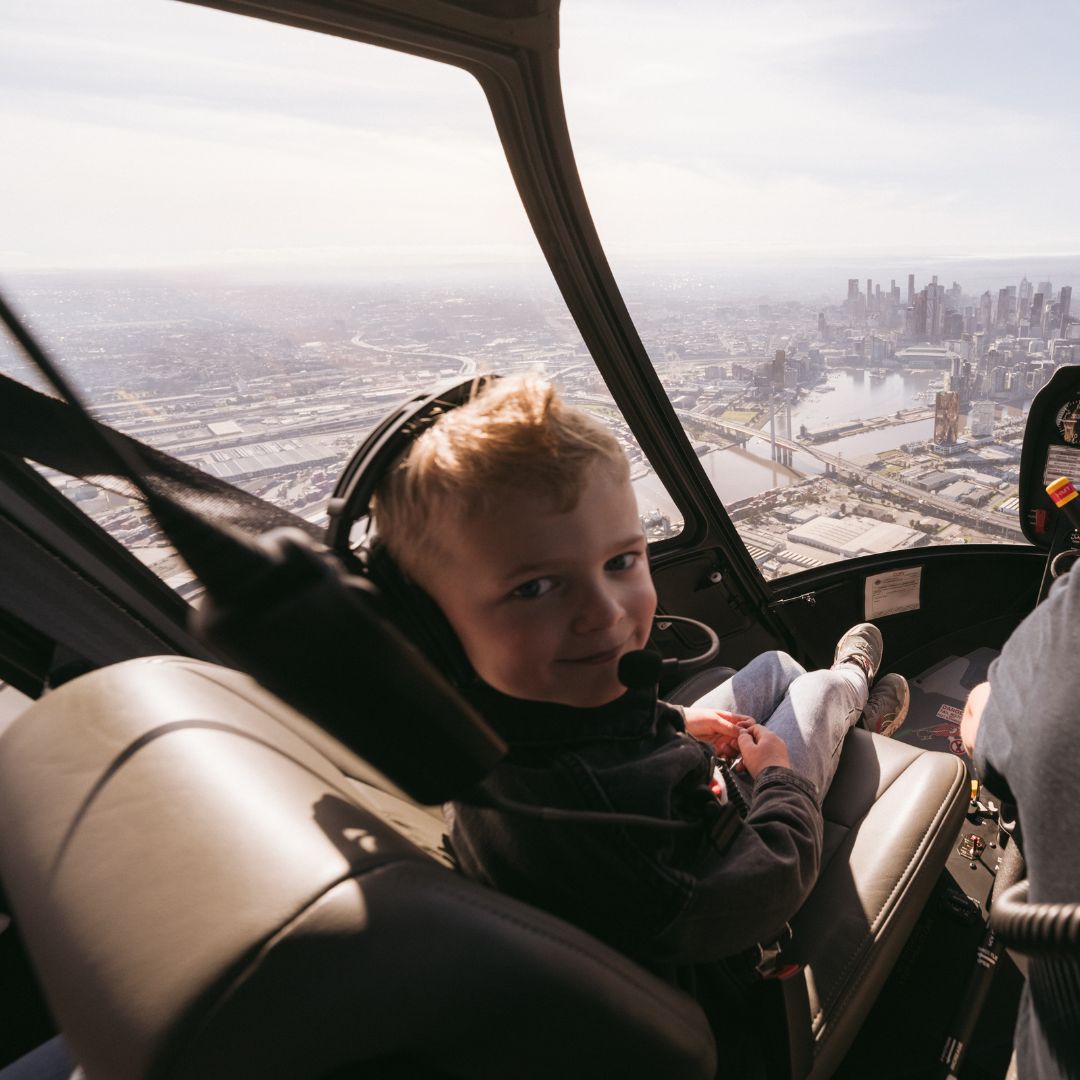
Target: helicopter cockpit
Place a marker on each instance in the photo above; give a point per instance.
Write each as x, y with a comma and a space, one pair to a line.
219, 887
218, 860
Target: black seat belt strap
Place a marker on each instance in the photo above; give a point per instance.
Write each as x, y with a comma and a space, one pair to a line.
44, 430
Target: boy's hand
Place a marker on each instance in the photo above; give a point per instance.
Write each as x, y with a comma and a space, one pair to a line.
719, 729
761, 748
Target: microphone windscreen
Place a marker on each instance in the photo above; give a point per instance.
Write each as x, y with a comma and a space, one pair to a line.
640, 669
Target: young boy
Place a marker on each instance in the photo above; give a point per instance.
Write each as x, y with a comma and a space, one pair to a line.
515, 513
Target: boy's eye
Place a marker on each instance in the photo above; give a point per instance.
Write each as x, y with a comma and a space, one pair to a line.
529, 590
625, 561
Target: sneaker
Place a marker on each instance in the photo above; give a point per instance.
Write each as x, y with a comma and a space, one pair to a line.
861, 645
887, 705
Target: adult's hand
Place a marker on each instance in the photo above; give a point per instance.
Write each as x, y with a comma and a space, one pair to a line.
973, 710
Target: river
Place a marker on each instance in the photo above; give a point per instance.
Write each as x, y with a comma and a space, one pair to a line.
739, 473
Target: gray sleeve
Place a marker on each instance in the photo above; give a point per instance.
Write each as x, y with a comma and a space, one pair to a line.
1032, 693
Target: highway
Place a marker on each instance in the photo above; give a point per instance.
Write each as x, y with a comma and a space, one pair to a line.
468, 364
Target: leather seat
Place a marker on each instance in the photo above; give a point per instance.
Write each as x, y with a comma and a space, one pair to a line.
892, 815
210, 886
205, 893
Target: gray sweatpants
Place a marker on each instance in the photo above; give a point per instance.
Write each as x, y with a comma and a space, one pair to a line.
811, 711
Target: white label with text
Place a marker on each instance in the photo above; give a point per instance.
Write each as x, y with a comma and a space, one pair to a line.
893, 592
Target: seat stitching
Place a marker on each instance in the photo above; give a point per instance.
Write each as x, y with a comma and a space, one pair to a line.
860, 951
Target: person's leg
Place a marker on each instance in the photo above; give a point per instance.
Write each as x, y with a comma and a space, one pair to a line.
822, 706
757, 689
811, 711
815, 715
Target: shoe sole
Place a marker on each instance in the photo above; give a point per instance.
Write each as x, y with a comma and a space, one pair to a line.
890, 727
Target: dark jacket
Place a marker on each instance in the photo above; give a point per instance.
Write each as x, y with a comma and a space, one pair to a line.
672, 900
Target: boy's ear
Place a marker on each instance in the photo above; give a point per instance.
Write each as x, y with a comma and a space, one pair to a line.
417, 616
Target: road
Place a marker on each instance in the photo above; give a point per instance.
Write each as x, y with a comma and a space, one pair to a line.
468, 364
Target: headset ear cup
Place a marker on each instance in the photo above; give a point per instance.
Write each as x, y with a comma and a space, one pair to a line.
418, 617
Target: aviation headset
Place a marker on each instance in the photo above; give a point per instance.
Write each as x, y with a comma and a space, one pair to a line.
409, 606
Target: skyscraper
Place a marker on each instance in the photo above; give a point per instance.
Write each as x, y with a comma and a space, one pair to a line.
1024, 297
954, 298
981, 419
1066, 300
852, 302
910, 289
1001, 318
1036, 312
946, 417
935, 310
918, 328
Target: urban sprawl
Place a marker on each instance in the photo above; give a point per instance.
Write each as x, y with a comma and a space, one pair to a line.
271, 387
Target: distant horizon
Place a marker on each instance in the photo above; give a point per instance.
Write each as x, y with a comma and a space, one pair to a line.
802, 276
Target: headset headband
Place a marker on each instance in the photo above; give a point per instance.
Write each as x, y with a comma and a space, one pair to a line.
351, 499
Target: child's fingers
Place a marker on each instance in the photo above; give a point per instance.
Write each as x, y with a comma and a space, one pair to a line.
738, 719
713, 729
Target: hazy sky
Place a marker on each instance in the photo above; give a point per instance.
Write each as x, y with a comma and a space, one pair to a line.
151, 132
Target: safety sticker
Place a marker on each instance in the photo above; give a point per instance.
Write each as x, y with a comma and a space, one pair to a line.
893, 592
950, 712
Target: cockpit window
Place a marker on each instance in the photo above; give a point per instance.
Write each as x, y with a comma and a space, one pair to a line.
246, 242
827, 250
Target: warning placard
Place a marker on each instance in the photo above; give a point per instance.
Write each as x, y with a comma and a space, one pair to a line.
893, 592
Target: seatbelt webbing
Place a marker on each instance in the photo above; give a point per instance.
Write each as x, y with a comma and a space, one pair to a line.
45, 430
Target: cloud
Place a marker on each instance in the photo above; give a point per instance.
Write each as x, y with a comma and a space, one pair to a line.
179, 133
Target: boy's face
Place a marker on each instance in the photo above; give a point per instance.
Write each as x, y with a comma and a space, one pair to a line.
545, 603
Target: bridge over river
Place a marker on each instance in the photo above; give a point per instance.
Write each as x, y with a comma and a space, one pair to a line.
836, 465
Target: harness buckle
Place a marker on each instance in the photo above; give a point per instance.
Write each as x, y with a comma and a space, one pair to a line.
769, 963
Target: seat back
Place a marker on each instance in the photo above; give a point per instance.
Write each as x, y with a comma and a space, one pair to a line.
891, 817
210, 887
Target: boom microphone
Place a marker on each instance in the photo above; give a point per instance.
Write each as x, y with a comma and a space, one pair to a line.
643, 668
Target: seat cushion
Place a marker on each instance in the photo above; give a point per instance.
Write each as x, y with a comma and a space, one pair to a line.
892, 815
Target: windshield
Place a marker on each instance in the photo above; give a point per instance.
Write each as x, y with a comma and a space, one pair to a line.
245, 243
846, 257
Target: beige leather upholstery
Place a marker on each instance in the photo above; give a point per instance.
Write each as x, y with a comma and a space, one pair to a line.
892, 815
204, 893
211, 887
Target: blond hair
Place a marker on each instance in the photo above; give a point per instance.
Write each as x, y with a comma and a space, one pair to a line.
515, 434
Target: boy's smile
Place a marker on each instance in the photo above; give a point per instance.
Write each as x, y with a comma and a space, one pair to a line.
545, 602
